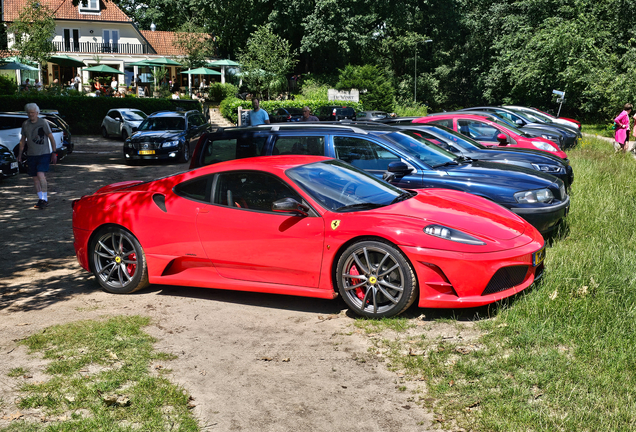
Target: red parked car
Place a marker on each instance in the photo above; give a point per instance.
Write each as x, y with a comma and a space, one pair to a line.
491, 132
309, 226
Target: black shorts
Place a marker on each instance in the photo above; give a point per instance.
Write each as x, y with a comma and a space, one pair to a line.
36, 164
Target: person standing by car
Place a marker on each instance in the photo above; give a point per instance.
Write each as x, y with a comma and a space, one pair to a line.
37, 134
307, 117
622, 122
257, 115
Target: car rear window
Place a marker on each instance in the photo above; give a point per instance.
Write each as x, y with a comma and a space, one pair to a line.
299, 145
229, 148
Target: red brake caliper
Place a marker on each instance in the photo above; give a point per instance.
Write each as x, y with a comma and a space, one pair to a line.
131, 267
359, 292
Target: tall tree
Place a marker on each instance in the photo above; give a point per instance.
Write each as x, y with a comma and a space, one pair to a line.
33, 31
265, 61
194, 43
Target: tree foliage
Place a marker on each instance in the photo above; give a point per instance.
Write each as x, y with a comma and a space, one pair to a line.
33, 31
194, 43
265, 61
376, 92
483, 51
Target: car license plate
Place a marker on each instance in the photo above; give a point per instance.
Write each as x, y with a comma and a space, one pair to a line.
146, 152
538, 257
14, 165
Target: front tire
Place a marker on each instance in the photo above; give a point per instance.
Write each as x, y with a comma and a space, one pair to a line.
118, 261
104, 132
124, 135
375, 279
185, 154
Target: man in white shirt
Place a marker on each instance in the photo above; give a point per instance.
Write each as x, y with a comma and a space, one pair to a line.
113, 84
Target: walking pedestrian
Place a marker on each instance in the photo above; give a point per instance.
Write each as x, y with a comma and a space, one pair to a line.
622, 124
37, 135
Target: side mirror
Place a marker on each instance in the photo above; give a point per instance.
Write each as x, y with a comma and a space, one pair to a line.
118, 119
520, 122
502, 139
290, 205
396, 170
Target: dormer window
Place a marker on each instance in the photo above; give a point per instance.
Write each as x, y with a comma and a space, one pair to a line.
89, 6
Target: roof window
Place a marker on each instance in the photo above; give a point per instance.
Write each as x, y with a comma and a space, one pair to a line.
90, 6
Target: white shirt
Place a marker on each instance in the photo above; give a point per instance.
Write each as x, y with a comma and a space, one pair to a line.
113, 84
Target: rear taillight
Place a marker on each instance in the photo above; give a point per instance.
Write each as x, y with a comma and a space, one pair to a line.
288, 117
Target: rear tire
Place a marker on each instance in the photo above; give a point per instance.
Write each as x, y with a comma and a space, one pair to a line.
118, 261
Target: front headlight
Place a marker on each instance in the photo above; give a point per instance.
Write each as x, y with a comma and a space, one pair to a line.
170, 144
452, 235
544, 146
534, 196
551, 169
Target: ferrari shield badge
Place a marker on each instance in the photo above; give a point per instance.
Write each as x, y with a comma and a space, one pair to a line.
335, 224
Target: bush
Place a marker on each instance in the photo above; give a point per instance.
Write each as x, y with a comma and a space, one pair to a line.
219, 92
229, 106
85, 114
410, 110
312, 89
376, 91
8, 85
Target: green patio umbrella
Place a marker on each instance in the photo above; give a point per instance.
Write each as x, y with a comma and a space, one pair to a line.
141, 63
16, 66
103, 68
162, 61
200, 71
64, 60
223, 64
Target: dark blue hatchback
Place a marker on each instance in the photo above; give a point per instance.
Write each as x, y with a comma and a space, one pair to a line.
414, 162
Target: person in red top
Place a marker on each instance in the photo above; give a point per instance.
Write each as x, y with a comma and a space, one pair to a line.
620, 136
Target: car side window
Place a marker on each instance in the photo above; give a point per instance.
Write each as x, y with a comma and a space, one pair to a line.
252, 190
197, 190
230, 148
447, 123
299, 145
114, 114
363, 154
477, 130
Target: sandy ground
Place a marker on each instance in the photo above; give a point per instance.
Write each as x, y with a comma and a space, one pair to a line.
252, 362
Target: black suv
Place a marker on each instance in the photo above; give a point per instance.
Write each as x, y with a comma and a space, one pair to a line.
166, 135
335, 113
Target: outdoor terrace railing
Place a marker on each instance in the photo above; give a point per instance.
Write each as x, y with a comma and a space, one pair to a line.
93, 47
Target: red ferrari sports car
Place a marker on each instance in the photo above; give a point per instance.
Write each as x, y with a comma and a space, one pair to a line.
309, 226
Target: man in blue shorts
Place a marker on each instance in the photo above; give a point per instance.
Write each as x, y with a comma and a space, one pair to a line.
37, 134
258, 116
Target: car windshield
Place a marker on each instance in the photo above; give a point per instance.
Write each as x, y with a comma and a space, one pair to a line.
450, 135
133, 115
510, 127
162, 123
539, 116
294, 111
341, 187
420, 148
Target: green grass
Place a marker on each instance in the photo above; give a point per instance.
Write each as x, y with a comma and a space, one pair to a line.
598, 129
92, 363
559, 357
17, 372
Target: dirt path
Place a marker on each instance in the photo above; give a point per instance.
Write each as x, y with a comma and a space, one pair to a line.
253, 362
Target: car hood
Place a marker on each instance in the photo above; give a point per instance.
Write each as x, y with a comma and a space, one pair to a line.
502, 155
520, 152
140, 136
462, 211
491, 173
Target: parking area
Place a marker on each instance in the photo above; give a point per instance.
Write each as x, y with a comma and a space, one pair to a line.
251, 361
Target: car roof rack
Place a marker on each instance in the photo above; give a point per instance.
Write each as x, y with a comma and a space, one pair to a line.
319, 125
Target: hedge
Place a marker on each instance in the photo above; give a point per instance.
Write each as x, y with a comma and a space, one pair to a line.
85, 114
229, 106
